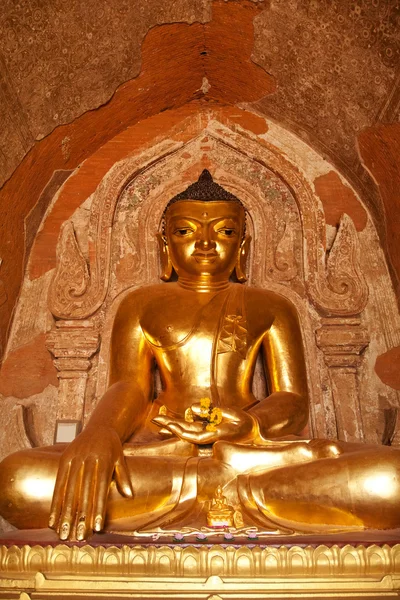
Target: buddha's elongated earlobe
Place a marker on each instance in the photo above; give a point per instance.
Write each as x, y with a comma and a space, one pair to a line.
166, 264
242, 259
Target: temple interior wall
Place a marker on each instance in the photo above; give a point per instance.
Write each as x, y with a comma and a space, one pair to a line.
332, 267
74, 76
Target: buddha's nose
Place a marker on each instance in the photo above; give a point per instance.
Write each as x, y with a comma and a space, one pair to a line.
205, 243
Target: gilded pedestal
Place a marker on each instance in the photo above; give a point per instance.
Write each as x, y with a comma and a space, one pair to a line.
209, 571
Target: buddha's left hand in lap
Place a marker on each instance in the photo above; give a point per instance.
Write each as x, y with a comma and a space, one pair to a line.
236, 425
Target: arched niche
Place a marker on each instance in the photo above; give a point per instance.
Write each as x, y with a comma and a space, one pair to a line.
107, 248
335, 289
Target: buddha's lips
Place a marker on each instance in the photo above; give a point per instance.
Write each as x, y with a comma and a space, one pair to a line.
205, 256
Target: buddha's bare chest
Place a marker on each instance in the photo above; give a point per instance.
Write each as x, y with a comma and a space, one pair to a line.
221, 322
167, 323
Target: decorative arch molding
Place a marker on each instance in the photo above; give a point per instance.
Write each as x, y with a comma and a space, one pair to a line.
96, 267
78, 290
335, 284
286, 221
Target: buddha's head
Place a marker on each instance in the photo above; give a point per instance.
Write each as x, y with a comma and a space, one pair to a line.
203, 235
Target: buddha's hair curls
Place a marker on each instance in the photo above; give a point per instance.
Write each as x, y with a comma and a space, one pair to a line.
206, 190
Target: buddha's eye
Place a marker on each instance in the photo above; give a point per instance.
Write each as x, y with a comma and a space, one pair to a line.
227, 231
183, 231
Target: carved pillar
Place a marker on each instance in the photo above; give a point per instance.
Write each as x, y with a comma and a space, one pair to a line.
72, 344
342, 341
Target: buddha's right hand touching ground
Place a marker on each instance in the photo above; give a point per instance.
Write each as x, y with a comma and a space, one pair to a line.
86, 469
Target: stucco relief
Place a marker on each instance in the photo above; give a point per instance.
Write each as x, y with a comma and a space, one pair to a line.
286, 223
337, 289
99, 263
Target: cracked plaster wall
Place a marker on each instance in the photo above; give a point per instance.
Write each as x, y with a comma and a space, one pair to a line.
325, 70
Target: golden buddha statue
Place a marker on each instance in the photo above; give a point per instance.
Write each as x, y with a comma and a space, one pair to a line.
133, 469
221, 514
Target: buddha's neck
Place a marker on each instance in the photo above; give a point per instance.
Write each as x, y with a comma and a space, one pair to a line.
203, 284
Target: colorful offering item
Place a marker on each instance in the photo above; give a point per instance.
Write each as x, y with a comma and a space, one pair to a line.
211, 415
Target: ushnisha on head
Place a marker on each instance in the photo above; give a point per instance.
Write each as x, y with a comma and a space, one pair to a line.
204, 235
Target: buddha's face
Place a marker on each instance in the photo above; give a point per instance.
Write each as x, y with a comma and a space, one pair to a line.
204, 238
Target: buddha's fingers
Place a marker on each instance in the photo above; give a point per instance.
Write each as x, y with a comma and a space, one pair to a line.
100, 501
232, 415
168, 422
182, 433
71, 496
84, 519
197, 409
194, 437
58, 494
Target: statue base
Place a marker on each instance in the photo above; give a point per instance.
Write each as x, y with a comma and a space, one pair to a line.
34, 564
